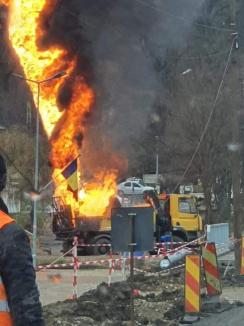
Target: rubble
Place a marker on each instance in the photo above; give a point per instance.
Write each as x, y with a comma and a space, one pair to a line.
162, 304
159, 301
232, 279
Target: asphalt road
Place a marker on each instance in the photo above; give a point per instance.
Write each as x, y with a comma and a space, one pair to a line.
234, 317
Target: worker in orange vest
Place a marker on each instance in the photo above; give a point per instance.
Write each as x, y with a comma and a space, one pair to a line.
19, 296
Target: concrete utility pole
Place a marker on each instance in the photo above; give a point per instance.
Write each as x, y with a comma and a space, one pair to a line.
235, 154
37, 150
157, 164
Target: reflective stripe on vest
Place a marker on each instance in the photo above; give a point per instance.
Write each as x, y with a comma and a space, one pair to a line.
4, 306
3, 297
5, 317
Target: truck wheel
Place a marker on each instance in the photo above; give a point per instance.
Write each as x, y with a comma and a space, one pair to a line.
100, 240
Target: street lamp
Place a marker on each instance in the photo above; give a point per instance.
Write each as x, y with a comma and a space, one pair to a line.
36, 177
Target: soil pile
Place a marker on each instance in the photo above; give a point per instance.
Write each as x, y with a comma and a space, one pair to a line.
158, 301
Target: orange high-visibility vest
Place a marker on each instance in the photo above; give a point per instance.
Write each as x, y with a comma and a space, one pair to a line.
5, 316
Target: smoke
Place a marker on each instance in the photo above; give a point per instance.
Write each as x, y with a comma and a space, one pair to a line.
113, 41
121, 37
125, 38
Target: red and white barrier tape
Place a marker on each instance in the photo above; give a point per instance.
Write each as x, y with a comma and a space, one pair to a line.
120, 260
116, 260
156, 244
53, 263
100, 262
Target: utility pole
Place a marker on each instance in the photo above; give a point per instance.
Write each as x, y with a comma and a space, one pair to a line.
157, 164
235, 154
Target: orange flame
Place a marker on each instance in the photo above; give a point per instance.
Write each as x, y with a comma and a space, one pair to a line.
62, 126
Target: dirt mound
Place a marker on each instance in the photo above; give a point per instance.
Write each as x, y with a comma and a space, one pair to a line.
158, 301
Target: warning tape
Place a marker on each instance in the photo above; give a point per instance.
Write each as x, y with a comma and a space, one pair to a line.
101, 261
156, 244
116, 260
40, 267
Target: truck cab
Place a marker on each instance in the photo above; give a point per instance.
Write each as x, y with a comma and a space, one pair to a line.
186, 222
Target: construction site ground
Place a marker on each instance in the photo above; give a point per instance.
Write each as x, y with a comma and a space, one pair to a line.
160, 301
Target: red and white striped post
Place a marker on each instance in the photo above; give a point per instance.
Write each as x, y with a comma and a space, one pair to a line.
111, 267
76, 267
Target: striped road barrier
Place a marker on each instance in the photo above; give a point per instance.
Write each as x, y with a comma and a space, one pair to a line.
192, 287
211, 270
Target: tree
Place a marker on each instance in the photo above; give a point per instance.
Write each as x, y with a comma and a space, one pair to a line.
18, 147
190, 79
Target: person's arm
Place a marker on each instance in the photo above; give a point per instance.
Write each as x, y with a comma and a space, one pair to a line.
3, 207
19, 277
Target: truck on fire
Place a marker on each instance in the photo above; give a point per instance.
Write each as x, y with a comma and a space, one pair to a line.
181, 210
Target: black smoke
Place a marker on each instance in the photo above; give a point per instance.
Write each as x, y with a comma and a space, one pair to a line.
115, 40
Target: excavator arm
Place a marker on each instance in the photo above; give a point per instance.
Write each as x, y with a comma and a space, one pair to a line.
163, 220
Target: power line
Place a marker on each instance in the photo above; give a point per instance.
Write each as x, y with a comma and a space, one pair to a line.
160, 9
209, 117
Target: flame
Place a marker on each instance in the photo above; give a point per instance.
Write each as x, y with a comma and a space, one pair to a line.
63, 126
23, 19
95, 195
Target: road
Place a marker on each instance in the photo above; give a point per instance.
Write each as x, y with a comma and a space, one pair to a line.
234, 317
56, 285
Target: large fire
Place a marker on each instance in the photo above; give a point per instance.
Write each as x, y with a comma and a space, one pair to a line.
39, 65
